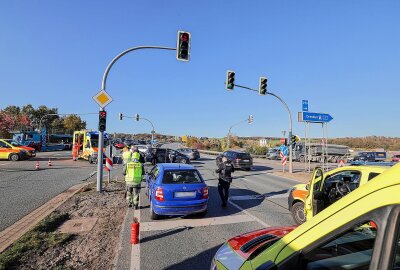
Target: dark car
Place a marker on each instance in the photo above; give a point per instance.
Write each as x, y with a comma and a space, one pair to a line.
192, 154
240, 160
165, 155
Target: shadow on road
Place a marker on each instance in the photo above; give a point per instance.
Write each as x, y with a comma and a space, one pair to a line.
200, 261
165, 233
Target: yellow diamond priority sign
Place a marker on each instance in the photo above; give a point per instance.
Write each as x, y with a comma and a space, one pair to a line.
102, 98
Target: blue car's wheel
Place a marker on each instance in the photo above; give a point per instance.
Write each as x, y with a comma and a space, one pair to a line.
153, 215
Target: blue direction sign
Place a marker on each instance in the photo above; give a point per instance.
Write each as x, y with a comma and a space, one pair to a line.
284, 150
314, 117
305, 105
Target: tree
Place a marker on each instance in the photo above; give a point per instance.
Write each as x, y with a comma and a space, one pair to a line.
73, 122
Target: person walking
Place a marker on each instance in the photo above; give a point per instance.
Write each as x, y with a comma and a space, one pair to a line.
133, 182
225, 170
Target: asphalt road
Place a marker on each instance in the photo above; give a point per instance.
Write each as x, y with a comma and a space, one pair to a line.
257, 199
23, 189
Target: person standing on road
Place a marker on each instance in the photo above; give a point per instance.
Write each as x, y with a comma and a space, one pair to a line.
126, 158
225, 170
133, 181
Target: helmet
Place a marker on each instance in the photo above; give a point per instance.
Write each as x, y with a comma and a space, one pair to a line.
224, 159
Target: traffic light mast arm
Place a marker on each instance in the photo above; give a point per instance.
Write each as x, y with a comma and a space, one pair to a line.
142, 118
290, 122
105, 75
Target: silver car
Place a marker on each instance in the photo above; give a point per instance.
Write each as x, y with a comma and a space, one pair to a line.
192, 154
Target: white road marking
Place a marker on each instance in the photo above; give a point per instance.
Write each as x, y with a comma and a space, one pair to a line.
168, 225
3, 164
135, 251
250, 215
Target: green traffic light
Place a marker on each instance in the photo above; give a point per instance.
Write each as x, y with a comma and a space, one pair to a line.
230, 86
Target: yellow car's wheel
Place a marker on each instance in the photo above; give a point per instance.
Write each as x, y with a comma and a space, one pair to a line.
13, 157
298, 213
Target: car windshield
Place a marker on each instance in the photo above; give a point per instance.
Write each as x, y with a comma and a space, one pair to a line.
181, 177
14, 143
243, 155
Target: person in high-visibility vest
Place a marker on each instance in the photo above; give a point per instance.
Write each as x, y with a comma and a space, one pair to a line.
126, 158
133, 181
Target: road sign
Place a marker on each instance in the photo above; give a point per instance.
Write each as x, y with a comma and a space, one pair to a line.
284, 159
282, 140
341, 163
102, 98
284, 150
109, 165
314, 117
305, 105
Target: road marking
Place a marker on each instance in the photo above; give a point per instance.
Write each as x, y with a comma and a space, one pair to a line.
250, 215
135, 251
3, 164
168, 225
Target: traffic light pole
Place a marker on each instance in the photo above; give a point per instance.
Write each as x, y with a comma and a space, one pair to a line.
103, 87
290, 123
152, 126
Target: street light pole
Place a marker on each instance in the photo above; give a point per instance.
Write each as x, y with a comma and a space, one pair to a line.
229, 132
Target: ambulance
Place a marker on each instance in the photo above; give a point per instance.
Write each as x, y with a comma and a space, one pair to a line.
85, 145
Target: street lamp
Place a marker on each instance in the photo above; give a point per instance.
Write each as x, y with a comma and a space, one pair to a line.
249, 120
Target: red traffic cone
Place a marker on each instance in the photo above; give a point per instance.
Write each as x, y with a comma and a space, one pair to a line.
37, 165
49, 163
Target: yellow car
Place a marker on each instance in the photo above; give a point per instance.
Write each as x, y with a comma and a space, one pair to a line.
346, 178
359, 231
12, 152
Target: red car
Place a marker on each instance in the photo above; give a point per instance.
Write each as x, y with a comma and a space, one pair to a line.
396, 158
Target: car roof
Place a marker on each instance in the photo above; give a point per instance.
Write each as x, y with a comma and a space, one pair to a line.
175, 166
362, 168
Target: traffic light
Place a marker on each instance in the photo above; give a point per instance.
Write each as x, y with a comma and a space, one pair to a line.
120, 116
102, 120
137, 117
250, 120
294, 140
262, 86
230, 80
183, 46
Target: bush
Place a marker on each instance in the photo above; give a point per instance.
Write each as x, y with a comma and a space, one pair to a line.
257, 150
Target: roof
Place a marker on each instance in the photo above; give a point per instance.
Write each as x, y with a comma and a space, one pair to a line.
176, 166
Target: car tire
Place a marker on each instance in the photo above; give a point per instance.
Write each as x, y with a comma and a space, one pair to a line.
13, 157
248, 169
298, 213
153, 215
302, 159
183, 161
90, 159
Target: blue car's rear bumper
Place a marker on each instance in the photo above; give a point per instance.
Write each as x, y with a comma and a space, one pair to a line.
181, 208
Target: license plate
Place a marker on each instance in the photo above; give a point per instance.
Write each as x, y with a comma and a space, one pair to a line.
246, 160
185, 194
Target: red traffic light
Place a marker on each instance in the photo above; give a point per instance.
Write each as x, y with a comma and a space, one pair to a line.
185, 37
102, 114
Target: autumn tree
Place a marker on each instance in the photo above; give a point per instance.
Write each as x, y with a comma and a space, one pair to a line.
73, 122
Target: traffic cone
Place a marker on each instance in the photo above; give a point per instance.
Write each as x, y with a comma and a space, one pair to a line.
49, 163
37, 165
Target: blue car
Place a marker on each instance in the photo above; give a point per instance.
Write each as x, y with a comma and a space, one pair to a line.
175, 190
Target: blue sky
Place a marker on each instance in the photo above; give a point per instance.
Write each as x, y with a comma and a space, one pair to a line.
343, 56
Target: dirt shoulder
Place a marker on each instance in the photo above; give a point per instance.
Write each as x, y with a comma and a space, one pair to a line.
45, 247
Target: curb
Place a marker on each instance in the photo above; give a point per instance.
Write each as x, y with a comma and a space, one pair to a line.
11, 234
